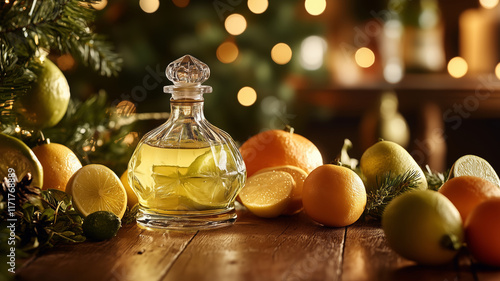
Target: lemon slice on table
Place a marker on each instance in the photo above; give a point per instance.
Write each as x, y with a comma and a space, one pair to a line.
299, 176
97, 188
16, 155
471, 165
268, 194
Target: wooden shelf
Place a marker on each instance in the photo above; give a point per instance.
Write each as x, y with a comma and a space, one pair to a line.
478, 94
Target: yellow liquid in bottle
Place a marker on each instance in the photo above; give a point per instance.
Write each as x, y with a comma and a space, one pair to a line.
185, 179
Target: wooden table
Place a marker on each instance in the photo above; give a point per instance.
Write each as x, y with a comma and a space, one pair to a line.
285, 248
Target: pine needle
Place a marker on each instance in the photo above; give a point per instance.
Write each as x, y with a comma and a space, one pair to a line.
387, 189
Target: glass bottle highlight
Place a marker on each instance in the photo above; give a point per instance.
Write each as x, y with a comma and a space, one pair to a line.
186, 173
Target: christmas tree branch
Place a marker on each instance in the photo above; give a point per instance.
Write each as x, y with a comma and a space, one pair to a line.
57, 24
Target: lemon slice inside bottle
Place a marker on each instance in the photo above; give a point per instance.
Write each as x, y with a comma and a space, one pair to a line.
18, 157
471, 165
179, 189
97, 188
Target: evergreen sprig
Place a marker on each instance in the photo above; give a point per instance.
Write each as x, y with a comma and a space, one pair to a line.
62, 25
434, 179
387, 189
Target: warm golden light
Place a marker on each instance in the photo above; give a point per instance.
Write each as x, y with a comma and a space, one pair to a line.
125, 108
235, 24
312, 52
488, 4
257, 6
149, 6
315, 7
100, 5
281, 53
364, 57
247, 96
181, 3
457, 67
227, 52
497, 71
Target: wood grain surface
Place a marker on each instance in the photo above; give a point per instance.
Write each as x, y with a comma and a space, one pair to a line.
286, 248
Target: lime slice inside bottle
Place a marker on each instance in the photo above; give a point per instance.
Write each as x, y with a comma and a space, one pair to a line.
18, 157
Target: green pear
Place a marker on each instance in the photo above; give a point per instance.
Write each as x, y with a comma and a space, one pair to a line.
384, 157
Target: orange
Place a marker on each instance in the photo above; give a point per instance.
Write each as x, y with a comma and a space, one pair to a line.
278, 148
466, 192
59, 163
482, 230
334, 196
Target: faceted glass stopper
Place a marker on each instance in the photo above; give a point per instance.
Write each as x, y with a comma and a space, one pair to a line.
187, 70
187, 73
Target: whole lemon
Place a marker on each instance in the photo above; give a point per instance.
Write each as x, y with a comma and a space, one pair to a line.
59, 163
46, 102
423, 226
388, 157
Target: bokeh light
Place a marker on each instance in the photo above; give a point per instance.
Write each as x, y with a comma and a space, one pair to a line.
281, 53
149, 6
312, 52
247, 96
315, 7
235, 24
488, 4
227, 52
257, 6
393, 72
364, 57
457, 67
181, 3
100, 5
497, 71
125, 108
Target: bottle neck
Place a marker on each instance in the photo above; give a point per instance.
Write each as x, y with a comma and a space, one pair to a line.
181, 109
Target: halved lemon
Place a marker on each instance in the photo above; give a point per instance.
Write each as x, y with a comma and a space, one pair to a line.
18, 157
268, 194
299, 176
97, 188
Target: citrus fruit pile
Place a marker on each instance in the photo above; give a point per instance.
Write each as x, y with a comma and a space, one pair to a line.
277, 163
430, 227
94, 189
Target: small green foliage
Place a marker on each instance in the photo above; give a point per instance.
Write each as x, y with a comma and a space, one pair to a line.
387, 189
435, 180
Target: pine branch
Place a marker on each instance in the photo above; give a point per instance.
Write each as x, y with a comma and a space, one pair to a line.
387, 189
58, 24
15, 80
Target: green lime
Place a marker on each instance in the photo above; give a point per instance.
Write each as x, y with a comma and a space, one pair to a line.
423, 226
101, 225
46, 103
18, 157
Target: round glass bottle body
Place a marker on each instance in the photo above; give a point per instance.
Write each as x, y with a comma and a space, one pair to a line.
186, 173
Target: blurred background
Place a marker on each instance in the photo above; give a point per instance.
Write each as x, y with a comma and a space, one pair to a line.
423, 73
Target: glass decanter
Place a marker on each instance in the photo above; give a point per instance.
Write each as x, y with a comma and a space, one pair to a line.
186, 173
